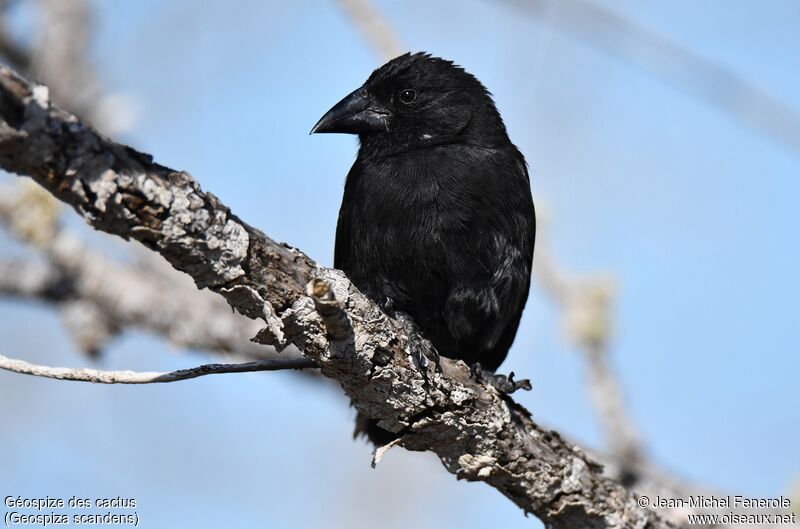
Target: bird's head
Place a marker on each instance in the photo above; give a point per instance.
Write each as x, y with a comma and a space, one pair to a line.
416, 101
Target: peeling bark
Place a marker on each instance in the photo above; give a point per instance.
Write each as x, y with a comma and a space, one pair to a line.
478, 434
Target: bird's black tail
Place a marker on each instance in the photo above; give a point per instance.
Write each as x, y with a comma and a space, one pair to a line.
369, 429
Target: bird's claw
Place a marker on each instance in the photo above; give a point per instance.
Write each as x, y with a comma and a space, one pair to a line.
388, 305
502, 383
422, 350
425, 353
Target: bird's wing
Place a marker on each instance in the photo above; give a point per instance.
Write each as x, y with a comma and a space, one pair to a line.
483, 312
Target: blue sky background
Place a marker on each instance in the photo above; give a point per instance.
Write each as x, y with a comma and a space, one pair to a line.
693, 213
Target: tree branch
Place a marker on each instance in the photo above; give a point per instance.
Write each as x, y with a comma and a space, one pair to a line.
478, 434
99, 376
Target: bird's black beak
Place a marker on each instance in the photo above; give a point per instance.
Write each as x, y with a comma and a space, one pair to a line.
355, 114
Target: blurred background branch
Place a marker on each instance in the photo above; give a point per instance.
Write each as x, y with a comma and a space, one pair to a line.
375, 28
586, 306
58, 56
710, 82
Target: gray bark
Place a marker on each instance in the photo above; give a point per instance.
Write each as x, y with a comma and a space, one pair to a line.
478, 434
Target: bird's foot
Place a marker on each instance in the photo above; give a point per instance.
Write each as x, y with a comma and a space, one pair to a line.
424, 353
502, 383
421, 348
387, 305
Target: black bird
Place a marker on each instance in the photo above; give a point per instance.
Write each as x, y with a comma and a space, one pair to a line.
437, 219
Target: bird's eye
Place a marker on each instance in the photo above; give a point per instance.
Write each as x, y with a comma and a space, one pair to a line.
407, 96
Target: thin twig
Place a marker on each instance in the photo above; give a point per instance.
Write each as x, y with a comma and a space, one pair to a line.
99, 376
